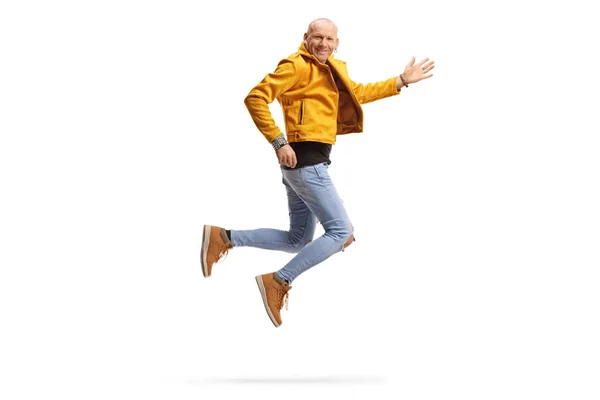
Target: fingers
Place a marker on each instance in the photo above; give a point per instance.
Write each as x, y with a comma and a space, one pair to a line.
283, 160
427, 67
424, 66
420, 64
290, 160
287, 158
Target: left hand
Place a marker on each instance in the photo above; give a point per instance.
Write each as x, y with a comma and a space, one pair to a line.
286, 156
416, 72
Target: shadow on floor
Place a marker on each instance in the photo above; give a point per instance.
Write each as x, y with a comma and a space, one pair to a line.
294, 380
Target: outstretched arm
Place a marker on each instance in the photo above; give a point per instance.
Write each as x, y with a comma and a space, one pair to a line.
414, 73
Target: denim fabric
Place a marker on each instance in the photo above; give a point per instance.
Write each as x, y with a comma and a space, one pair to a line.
311, 197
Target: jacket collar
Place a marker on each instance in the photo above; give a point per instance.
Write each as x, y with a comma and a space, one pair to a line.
303, 51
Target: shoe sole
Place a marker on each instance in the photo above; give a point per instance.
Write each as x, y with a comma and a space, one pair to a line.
263, 294
204, 250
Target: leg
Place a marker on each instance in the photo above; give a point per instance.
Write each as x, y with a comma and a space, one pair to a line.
302, 229
314, 186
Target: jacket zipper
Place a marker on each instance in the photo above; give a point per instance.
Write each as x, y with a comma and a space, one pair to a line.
301, 113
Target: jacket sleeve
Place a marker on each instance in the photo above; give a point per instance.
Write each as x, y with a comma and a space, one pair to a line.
375, 91
371, 91
263, 94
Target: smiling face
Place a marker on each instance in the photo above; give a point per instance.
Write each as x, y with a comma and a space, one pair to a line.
321, 39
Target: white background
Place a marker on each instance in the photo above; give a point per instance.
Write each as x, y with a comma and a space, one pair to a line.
474, 196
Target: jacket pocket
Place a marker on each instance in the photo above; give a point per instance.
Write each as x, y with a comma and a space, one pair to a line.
293, 114
301, 113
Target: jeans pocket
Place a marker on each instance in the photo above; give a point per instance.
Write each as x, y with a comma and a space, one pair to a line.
294, 178
323, 174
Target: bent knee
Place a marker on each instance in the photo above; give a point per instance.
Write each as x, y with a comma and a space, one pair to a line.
297, 245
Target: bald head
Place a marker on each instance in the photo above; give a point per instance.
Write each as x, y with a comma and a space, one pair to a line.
321, 38
320, 21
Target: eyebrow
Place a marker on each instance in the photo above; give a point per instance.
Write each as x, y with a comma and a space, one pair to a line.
322, 35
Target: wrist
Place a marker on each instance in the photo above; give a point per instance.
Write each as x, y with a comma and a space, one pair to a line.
279, 142
403, 80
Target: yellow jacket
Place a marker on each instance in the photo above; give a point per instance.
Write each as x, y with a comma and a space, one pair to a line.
313, 107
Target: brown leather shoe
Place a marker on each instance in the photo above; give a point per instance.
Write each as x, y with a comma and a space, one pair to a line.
349, 241
274, 293
215, 245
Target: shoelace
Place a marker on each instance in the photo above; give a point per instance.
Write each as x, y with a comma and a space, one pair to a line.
284, 298
223, 251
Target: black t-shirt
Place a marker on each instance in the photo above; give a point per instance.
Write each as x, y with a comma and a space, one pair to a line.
310, 153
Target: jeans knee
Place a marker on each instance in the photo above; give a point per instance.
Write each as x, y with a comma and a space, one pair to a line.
343, 237
349, 241
347, 235
296, 244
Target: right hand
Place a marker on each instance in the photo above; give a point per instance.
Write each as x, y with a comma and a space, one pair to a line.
286, 156
413, 73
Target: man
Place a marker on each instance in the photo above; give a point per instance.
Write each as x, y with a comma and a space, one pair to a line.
319, 101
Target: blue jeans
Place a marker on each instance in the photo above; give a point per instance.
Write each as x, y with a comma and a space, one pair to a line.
311, 197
